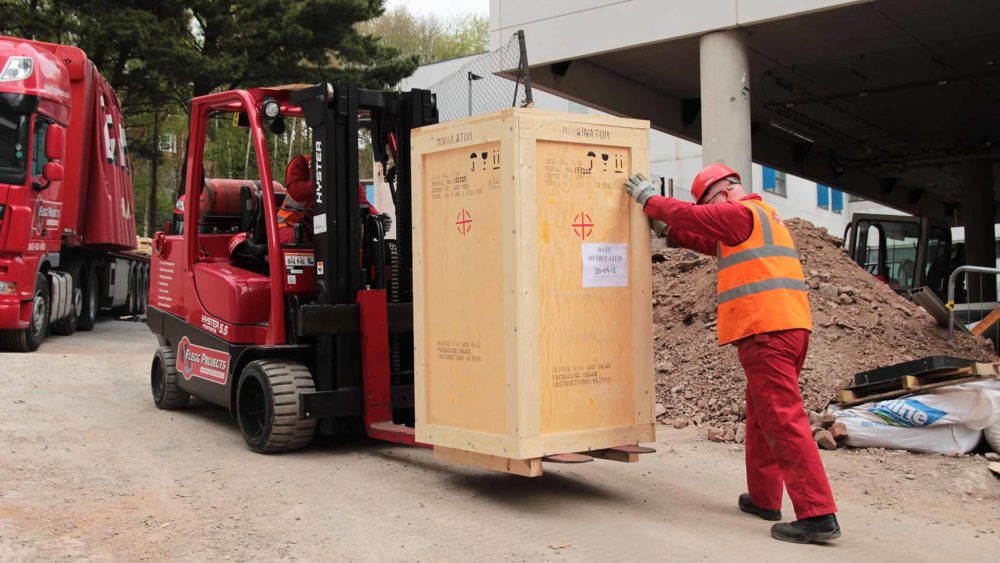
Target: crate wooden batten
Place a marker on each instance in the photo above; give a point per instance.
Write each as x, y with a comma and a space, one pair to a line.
514, 427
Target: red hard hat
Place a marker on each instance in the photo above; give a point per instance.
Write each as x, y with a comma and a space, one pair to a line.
710, 175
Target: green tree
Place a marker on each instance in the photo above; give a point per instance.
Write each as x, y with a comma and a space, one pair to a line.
265, 42
429, 37
157, 55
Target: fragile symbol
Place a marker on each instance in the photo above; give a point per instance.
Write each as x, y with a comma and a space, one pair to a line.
583, 225
464, 222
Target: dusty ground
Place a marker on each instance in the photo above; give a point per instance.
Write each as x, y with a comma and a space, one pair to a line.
90, 470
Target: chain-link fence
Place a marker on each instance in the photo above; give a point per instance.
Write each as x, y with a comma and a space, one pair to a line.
487, 83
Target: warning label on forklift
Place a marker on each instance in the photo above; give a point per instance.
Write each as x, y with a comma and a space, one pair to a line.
203, 363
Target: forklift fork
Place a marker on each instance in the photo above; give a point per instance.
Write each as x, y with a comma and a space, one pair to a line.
375, 381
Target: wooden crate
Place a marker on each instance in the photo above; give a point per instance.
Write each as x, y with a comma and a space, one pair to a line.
532, 297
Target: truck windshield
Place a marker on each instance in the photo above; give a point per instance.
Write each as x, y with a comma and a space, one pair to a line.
13, 147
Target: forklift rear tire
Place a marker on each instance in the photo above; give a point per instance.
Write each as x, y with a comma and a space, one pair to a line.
163, 381
29, 339
267, 406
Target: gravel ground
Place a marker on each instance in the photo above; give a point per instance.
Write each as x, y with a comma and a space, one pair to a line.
90, 470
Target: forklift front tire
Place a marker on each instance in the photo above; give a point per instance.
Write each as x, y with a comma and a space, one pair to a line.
267, 406
163, 380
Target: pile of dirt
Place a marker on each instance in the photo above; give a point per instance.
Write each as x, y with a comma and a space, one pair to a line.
860, 324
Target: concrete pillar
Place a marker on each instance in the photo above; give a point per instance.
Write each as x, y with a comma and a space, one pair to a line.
978, 207
725, 102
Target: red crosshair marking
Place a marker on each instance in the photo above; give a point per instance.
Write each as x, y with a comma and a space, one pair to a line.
464, 222
583, 225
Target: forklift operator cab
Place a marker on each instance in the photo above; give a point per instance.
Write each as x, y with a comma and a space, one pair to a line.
227, 245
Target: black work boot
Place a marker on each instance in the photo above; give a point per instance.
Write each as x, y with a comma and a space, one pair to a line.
751, 508
818, 529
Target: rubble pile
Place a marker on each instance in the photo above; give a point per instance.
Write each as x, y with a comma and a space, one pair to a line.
860, 324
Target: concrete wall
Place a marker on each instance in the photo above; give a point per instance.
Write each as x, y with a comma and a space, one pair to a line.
682, 160
587, 27
671, 157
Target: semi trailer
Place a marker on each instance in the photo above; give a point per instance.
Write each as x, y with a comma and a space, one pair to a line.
67, 221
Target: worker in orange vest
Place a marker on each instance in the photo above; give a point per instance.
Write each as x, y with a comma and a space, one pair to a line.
763, 308
301, 191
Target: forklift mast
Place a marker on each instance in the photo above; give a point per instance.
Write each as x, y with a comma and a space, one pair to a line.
332, 112
348, 246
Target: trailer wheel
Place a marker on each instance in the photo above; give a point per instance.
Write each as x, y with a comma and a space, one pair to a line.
88, 316
163, 381
132, 303
267, 406
29, 339
143, 288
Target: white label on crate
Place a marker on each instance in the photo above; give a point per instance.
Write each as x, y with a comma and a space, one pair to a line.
319, 267
605, 264
319, 224
291, 280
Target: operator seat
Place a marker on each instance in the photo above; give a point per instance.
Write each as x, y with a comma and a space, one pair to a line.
226, 290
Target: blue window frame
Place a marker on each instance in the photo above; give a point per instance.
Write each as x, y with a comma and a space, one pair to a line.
769, 178
836, 200
822, 196
774, 181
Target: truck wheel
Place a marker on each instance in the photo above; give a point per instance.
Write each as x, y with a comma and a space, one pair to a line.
267, 406
68, 325
88, 316
29, 339
163, 381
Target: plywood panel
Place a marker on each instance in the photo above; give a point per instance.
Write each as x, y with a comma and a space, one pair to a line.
465, 375
586, 295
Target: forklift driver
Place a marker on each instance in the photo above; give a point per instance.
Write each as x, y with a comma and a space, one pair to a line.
298, 203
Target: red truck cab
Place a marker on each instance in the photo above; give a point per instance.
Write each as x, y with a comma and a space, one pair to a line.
66, 209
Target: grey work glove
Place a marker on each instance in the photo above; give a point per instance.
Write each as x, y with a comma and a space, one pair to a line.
386, 222
660, 228
640, 189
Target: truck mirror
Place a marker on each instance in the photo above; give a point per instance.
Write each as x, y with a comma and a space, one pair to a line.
52, 172
55, 142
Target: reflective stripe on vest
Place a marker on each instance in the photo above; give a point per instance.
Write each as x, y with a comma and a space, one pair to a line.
761, 286
757, 287
291, 212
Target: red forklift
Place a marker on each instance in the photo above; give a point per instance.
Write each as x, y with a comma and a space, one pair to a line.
311, 336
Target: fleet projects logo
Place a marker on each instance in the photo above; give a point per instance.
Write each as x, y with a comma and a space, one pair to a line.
909, 413
203, 363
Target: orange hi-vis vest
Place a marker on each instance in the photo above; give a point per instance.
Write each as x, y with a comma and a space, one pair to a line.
291, 212
761, 286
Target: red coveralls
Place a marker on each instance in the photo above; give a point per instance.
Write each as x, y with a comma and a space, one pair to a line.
301, 188
780, 449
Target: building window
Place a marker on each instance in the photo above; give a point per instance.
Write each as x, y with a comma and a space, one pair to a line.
774, 182
822, 196
836, 201
168, 142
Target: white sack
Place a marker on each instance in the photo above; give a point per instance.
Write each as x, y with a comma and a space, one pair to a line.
948, 420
